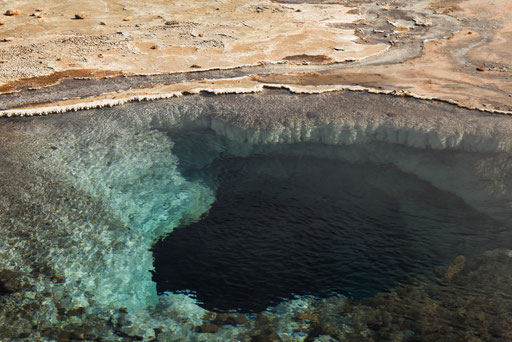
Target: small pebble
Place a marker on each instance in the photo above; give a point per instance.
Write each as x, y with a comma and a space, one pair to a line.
80, 16
58, 279
208, 329
196, 66
265, 337
2, 23
480, 68
306, 316
221, 318
201, 34
39, 9
236, 319
128, 19
103, 23
154, 47
12, 12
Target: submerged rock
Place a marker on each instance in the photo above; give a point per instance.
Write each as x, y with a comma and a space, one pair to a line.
9, 282
236, 319
265, 337
455, 268
208, 329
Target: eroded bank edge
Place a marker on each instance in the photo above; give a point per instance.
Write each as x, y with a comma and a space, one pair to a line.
102, 101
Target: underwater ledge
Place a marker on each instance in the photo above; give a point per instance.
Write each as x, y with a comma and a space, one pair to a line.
78, 221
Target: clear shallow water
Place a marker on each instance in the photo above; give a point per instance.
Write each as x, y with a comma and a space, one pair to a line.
285, 225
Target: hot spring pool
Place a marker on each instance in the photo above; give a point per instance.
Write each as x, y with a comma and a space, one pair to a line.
343, 216
282, 226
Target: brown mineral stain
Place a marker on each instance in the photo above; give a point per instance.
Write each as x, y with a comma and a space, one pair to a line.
307, 79
317, 59
55, 78
446, 6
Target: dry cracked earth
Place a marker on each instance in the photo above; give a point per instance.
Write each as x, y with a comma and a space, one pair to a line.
92, 53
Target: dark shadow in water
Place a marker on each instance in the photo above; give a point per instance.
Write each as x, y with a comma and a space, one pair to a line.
285, 226
4, 290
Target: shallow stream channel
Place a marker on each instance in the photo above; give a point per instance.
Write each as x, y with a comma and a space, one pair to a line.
342, 216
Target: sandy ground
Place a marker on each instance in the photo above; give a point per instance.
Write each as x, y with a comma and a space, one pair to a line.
451, 50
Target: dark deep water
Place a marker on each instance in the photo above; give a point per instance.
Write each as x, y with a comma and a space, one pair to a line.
282, 226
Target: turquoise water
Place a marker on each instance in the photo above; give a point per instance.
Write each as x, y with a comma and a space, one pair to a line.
357, 228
